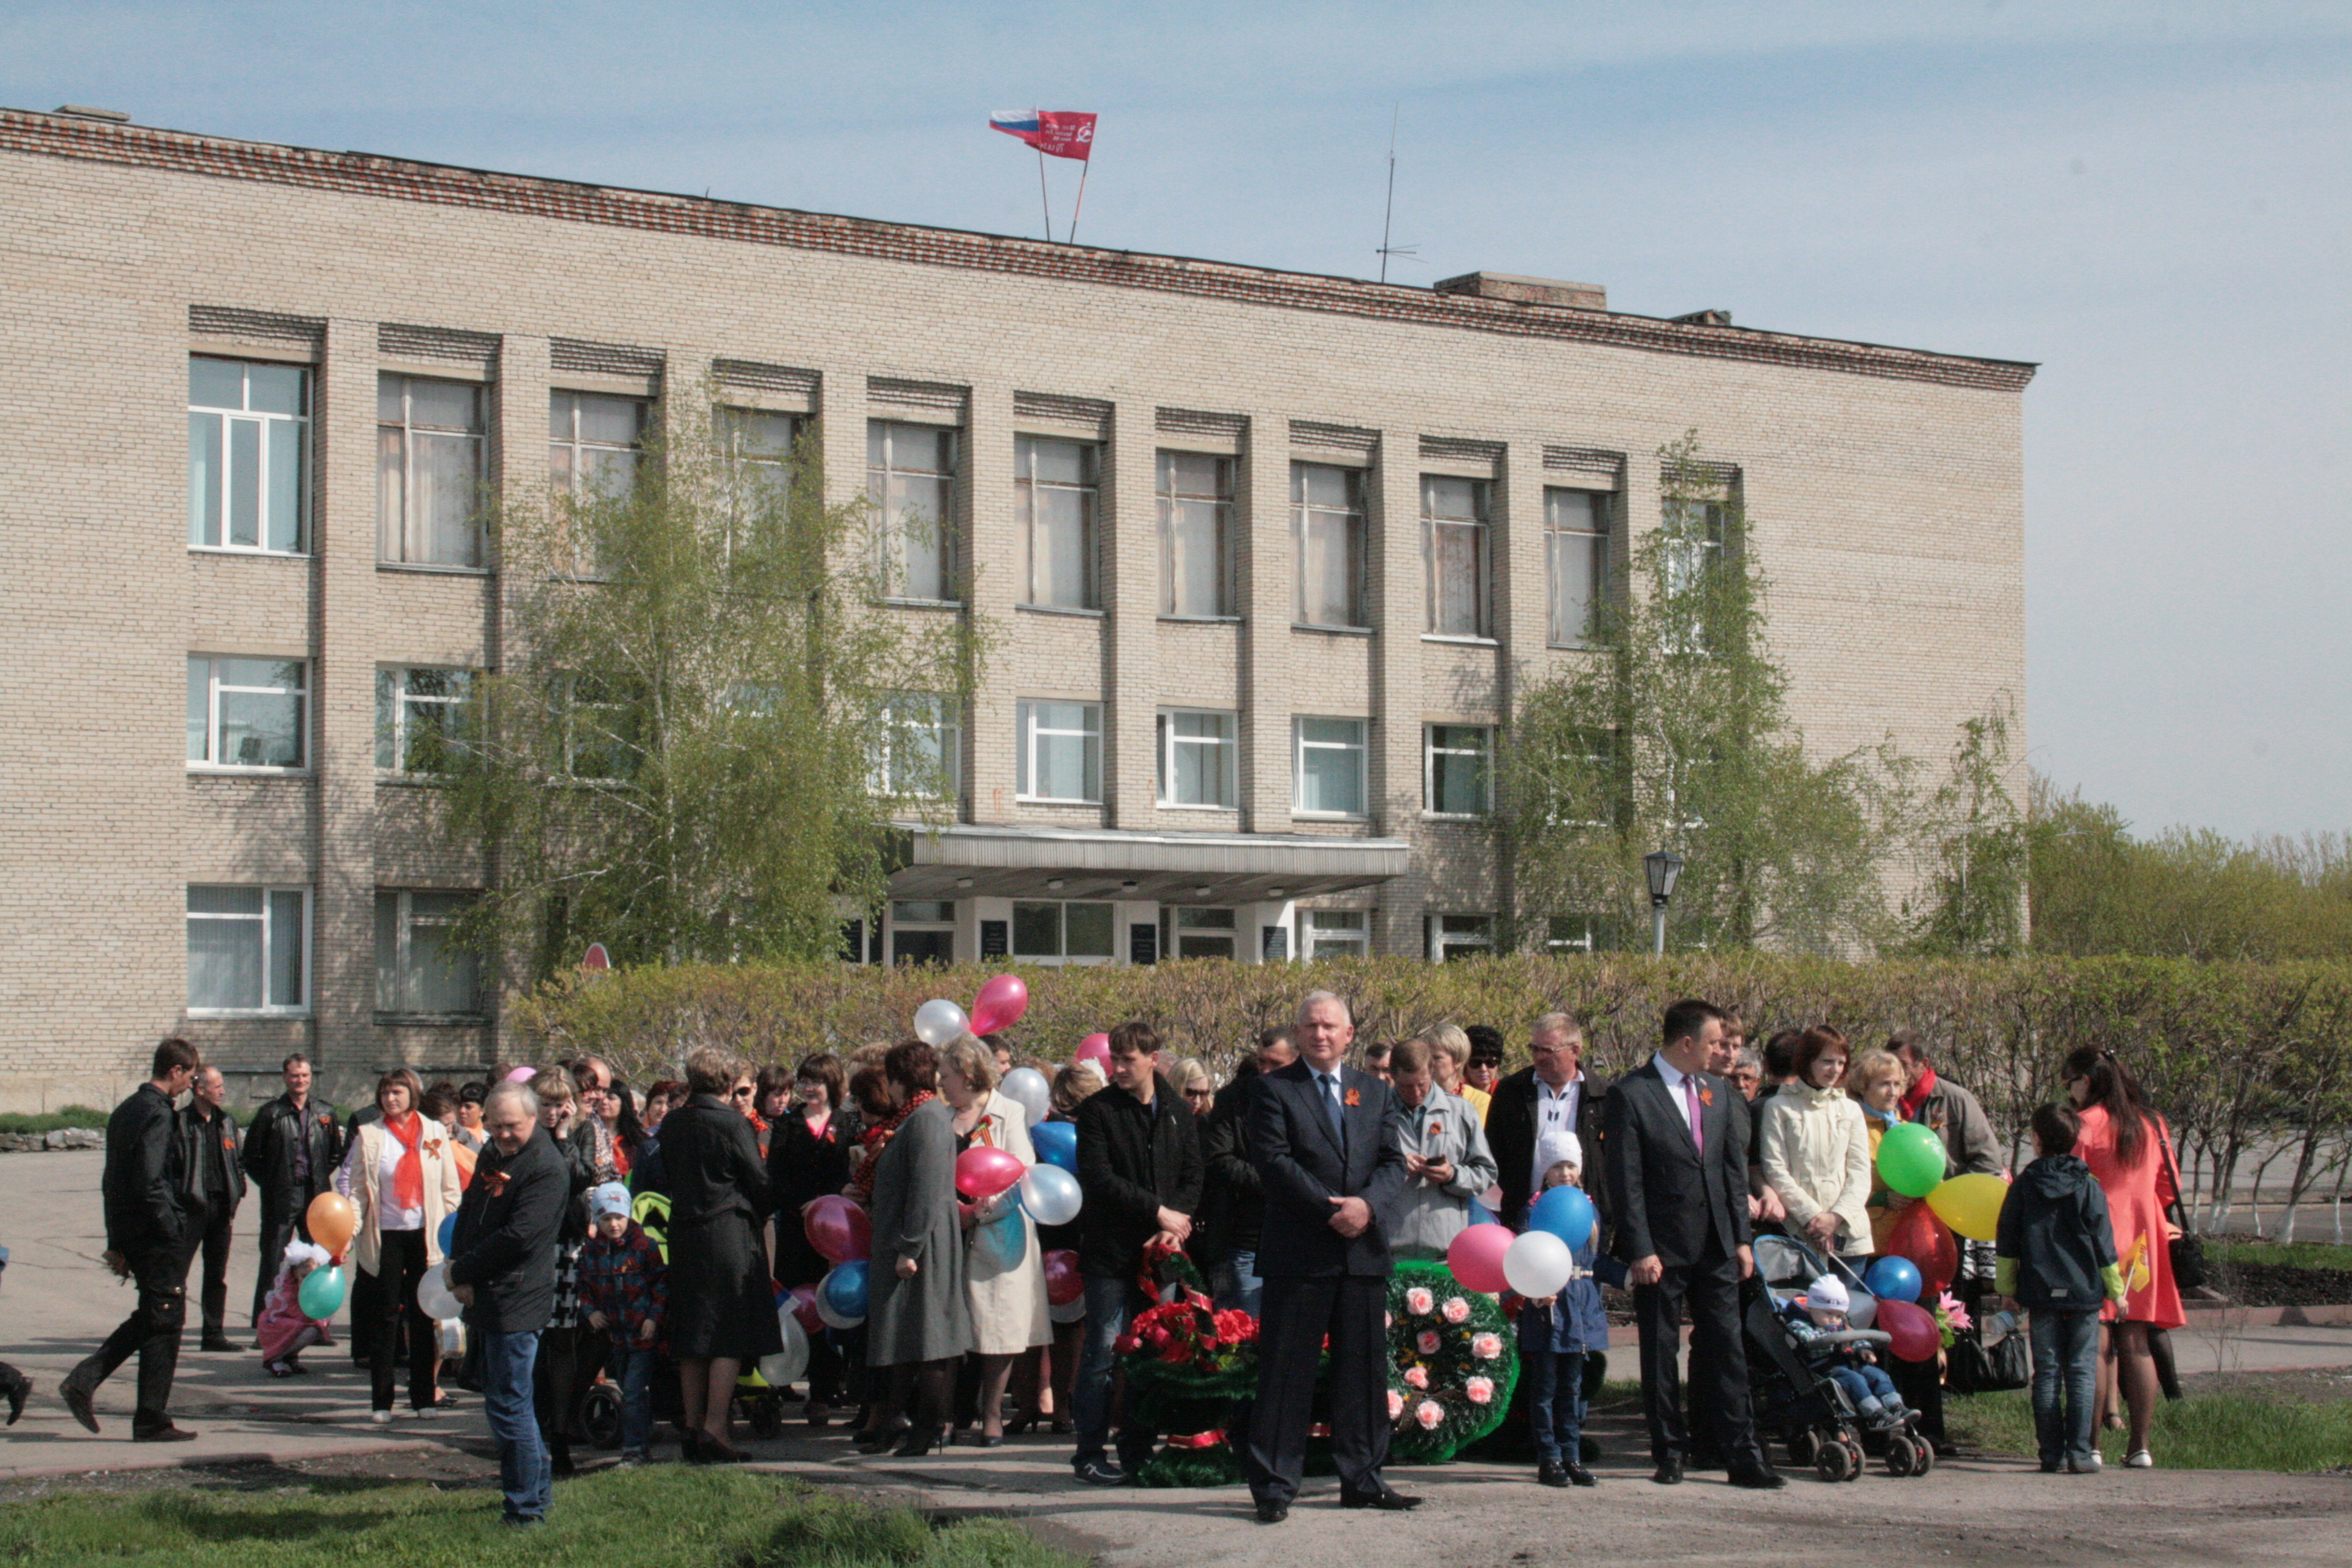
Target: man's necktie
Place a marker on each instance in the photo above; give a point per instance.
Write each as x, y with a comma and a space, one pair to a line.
1331, 1099
1690, 1097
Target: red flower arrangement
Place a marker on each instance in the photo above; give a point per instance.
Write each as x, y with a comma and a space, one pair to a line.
1189, 1333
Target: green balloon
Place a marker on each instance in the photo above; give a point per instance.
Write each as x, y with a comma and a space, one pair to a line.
322, 1293
1911, 1160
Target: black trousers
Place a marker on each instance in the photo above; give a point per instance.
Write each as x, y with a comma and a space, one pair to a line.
1299, 1312
284, 1217
400, 1264
213, 1227
152, 1333
1710, 1291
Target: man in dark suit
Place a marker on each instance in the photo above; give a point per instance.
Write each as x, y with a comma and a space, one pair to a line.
1554, 1092
1676, 1156
1325, 1139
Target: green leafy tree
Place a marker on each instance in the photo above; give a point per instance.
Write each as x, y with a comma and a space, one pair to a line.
707, 723
1973, 841
1675, 734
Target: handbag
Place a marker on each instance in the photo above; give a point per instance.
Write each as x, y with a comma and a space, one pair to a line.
2186, 1250
1971, 1366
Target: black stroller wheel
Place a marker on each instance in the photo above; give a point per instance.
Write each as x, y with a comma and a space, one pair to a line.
1923, 1456
600, 1414
1900, 1458
1833, 1463
1856, 1460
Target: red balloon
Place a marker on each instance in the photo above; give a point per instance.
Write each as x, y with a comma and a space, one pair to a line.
1063, 1283
1910, 1329
804, 1301
1476, 1258
983, 1172
1095, 1049
1927, 1242
1000, 1004
838, 1229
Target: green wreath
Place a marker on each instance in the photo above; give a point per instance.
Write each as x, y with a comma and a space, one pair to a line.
1453, 1360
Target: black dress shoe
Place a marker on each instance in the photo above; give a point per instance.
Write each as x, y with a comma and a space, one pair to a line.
1388, 1499
1577, 1474
1944, 1447
1271, 1512
18, 1388
167, 1433
1757, 1480
77, 1395
218, 1343
1669, 1472
1549, 1474
915, 1442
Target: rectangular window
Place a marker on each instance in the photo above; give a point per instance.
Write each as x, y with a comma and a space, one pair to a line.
911, 479
419, 717
428, 481
1697, 541
1453, 542
920, 748
1576, 555
1457, 779
1054, 496
248, 950
247, 712
600, 741
1328, 502
757, 446
1201, 933
1196, 519
248, 456
1062, 932
1061, 753
1459, 936
1333, 933
1197, 754
592, 442
1329, 768
922, 930
419, 967
1582, 933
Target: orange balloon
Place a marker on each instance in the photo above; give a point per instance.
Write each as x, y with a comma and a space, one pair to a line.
332, 1222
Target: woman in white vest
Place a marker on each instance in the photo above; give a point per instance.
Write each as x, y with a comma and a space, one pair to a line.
1816, 1148
1004, 1280
401, 1173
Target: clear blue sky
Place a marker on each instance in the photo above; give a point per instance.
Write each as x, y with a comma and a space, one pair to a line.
2151, 199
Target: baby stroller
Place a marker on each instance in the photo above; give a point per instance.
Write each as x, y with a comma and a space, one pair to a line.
1803, 1409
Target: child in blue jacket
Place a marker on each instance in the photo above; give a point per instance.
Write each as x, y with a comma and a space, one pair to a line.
1557, 1333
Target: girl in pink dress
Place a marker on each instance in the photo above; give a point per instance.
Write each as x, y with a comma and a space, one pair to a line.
285, 1330
2128, 1149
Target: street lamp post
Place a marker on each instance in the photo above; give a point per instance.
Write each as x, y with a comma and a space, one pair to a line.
1665, 867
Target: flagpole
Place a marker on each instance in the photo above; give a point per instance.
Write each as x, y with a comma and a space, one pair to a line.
1041, 197
1082, 196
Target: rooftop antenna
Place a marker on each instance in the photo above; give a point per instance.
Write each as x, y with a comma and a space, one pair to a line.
1389, 212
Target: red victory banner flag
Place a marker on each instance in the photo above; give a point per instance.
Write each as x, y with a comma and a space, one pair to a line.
1057, 133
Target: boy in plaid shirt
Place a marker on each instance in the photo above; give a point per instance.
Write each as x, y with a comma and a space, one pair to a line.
624, 1287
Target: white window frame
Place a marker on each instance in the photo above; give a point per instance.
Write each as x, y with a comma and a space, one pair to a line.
892, 543
394, 700
211, 760
1063, 958
272, 940
567, 439
1184, 924
1028, 489
900, 719
1562, 539
1355, 522
1435, 528
570, 702
1698, 541
1025, 779
272, 429
1219, 508
405, 432
1300, 745
1318, 940
1225, 762
1443, 943
404, 923
768, 467
1430, 751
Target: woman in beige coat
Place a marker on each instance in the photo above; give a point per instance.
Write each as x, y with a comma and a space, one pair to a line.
401, 1173
1004, 1284
1816, 1148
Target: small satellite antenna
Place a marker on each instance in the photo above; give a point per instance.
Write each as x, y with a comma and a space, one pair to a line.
1389, 212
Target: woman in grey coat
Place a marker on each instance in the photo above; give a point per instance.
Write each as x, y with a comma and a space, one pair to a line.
917, 1323
1446, 1158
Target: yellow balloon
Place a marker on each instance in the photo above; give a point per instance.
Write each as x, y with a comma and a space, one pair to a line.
1970, 1205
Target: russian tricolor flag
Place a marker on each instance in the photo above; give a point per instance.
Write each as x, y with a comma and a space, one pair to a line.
1059, 133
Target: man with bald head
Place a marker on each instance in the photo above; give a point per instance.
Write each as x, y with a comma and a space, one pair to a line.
1330, 1160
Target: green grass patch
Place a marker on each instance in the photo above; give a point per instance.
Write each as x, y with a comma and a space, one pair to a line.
2206, 1432
2279, 1254
52, 1120
666, 1516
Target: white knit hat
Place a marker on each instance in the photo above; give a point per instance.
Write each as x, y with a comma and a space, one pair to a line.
1556, 1144
1827, 1295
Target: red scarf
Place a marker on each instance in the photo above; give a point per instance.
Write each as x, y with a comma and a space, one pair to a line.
408, 1176
1918, 1095
874, 1140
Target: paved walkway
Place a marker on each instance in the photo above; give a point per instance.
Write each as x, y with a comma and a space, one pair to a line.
57, 1302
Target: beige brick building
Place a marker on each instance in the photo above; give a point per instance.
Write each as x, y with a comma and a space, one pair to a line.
1272, 553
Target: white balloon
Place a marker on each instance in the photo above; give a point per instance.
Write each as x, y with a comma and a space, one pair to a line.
1538, 1264
1862, 1310
433, 1296
1067, 1311
1027, 1087
832, 1320
790, 1364
1051, 1195
937, 1021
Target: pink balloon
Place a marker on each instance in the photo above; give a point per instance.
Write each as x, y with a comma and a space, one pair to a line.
1095, 1049
1910, 1329
804, 1301
838, 1229
1000, 1004
1064, 1284
1476, 1258
983, 1172
522, 1075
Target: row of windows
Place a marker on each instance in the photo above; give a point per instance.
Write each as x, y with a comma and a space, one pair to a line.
248, 489
250, 952
923, 930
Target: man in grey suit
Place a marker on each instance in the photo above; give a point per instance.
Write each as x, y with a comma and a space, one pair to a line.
1326, 1143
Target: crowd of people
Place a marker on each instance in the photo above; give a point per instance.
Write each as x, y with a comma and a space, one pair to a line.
584, 1229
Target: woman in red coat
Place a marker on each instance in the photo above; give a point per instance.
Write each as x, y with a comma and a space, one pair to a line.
2128, 1149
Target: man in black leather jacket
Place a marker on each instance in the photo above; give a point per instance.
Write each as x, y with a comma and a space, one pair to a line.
216, 1187
290, 1151
146, 1189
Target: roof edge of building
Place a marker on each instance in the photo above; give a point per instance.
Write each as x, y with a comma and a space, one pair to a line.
399, 179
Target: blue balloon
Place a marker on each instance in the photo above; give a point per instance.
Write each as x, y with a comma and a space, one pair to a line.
1003, 1240
1057, 1143
844, 1289
1567, 1214
1894, 1280
449, 1233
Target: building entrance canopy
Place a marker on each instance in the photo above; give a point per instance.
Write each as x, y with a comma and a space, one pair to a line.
968, 858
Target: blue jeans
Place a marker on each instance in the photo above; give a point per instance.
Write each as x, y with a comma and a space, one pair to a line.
1861, 1383
1236, 1285
525, 1473
1556, 1402
636, 1365
2066, 1363
1110, 1305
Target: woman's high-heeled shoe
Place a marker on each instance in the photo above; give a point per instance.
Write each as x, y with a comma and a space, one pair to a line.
875, 1442
917, 1442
